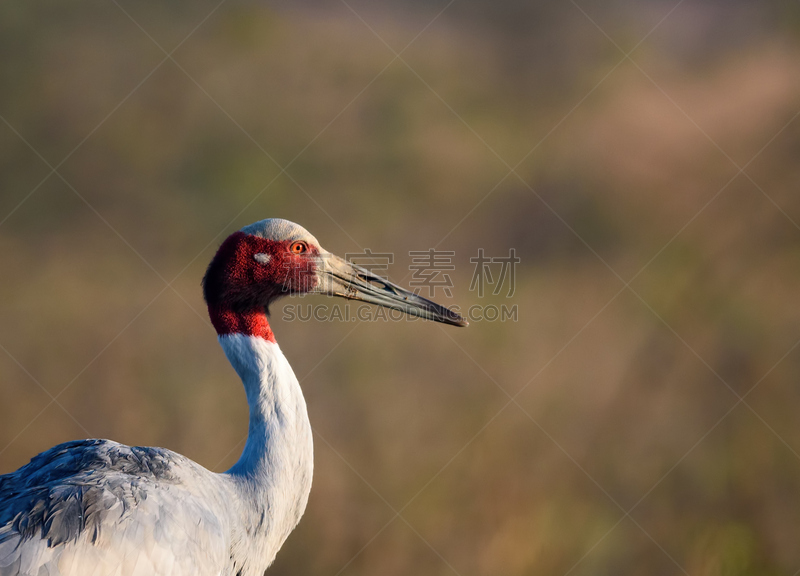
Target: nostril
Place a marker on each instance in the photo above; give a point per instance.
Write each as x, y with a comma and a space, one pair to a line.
377, 283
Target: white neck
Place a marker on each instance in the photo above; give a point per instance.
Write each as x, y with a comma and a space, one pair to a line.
273, 476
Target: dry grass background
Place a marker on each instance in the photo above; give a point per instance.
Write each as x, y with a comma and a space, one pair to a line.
625, 398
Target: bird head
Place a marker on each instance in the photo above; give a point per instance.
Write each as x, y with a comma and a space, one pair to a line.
274, 257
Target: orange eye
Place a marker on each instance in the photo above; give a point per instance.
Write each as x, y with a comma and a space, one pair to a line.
298, 248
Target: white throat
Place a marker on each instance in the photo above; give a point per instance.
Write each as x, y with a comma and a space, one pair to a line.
273, 476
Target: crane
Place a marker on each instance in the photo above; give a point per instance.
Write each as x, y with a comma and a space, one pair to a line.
100, 508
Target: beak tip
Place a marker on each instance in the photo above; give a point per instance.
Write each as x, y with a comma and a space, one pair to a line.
460, 321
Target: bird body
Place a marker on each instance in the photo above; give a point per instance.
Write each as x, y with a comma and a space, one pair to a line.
99, 508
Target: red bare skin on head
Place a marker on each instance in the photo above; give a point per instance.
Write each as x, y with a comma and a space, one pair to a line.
253, 323
238, 288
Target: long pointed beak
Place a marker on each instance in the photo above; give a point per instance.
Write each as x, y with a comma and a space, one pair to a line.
338, 277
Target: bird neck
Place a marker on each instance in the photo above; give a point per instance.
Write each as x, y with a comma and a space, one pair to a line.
273, 474
251, 322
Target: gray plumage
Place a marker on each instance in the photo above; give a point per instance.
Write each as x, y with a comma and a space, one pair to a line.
105, 500
73, 486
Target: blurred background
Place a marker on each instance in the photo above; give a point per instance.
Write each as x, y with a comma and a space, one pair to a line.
641, 158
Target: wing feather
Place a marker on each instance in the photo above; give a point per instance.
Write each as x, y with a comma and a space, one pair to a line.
100, 508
